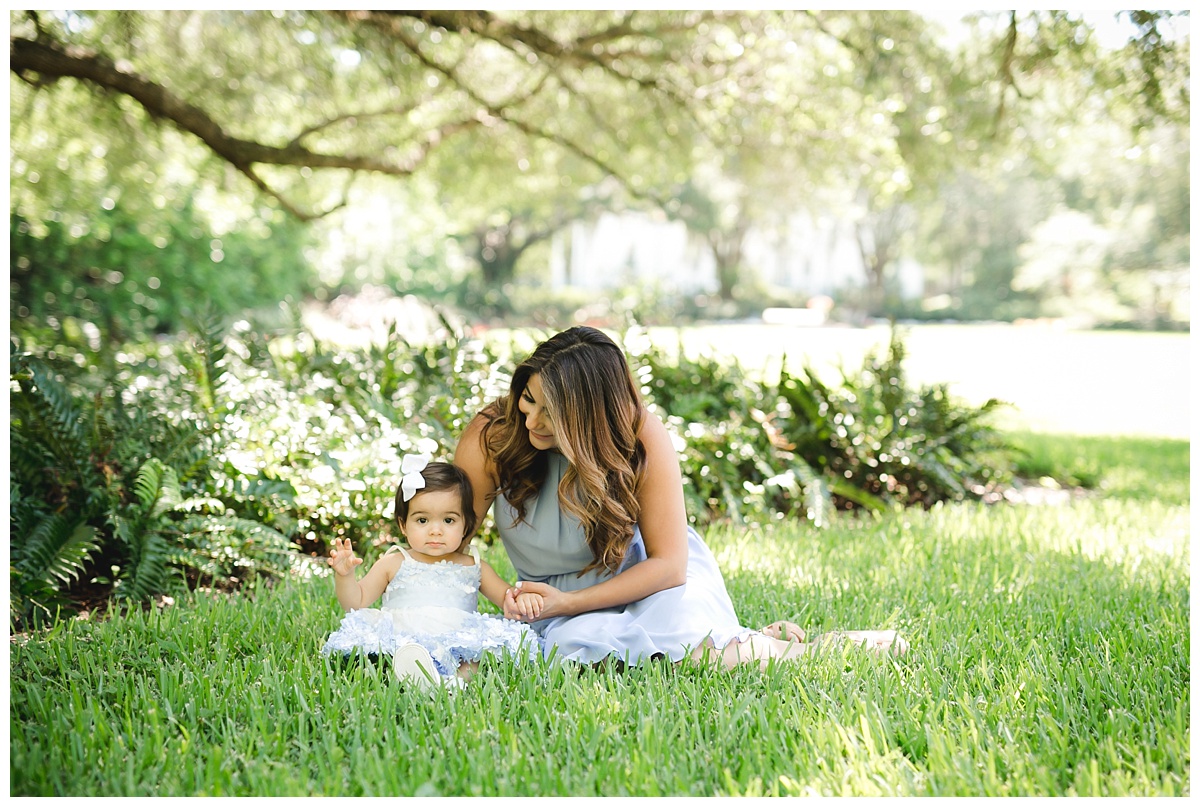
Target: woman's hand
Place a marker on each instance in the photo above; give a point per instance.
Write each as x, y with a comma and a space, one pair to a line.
522, 609
784, 630
342, 557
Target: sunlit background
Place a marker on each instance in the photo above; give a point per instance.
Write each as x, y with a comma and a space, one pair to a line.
779, 183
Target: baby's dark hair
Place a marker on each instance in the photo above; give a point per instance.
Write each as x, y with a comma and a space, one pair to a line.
442, 476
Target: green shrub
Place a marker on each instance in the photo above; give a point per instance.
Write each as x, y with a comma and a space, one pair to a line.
877, 442
731, 468
755, 452
110, 483
333, 424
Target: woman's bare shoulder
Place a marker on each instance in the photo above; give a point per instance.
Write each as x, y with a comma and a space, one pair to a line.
473, 436
653, 431
659, 446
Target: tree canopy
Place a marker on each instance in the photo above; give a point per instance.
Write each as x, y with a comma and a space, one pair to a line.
383, 92
517, 122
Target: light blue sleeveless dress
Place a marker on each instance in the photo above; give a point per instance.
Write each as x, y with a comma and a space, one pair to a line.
549, 547
433, 605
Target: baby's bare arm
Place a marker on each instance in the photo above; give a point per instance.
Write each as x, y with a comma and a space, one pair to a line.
491, 585
353, 593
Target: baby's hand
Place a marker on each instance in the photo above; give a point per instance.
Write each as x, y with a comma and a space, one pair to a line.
529, 604
342, 557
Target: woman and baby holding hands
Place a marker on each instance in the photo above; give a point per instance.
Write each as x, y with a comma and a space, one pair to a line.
587, 496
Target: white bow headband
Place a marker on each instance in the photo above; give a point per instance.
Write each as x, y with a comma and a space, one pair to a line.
412, 481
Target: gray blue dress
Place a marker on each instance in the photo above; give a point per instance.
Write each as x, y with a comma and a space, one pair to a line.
549, 547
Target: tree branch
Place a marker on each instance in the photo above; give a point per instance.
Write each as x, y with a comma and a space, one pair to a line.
51, 60
1006, 70
348, 117
283, 202
581, 51
819, 22
505, 114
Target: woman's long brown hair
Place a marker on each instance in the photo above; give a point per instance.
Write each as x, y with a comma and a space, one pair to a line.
591, 397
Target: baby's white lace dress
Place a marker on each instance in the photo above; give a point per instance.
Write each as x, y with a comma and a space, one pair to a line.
433, 605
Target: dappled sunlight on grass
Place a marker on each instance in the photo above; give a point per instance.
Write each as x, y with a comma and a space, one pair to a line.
762, 555
1145, 468
1109, 531
1097, 528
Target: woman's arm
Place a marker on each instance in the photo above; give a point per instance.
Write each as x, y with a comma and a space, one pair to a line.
663, 523
471, 456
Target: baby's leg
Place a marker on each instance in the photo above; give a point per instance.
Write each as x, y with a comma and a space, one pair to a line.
467, 670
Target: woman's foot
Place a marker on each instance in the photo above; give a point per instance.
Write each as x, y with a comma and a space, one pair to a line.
413, 665
879, 641
787, 631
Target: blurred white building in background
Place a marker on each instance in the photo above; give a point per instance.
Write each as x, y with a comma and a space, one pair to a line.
811, 257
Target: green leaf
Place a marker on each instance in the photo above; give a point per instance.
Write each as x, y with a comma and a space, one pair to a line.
56, 550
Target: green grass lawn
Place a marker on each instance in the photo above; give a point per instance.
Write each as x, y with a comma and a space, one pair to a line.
1050, 656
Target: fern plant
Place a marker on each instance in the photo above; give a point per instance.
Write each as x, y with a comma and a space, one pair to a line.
879, 442
60, 484
109, 472
165, 535
140, 526
734, 461
751, 451
206, 358
54, 550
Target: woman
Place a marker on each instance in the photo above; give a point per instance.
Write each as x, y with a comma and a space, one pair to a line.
588, 501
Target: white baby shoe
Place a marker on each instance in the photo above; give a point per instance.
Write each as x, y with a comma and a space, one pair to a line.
413, 664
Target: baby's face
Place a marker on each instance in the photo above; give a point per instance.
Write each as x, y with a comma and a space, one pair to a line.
435, 524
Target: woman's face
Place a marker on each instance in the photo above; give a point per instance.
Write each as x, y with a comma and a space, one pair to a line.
537, 419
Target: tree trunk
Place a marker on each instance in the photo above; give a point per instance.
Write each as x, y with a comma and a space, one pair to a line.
727, 255
875, 257
497, 254
498, 248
